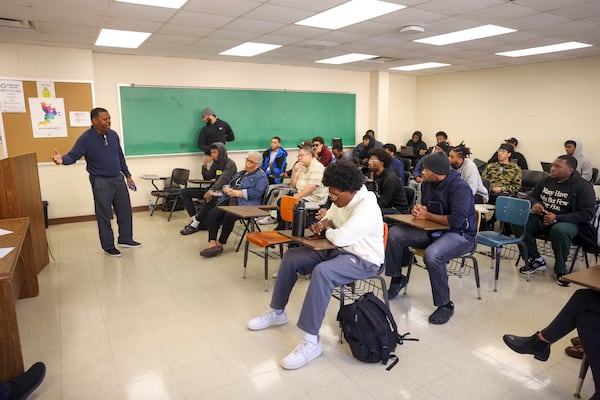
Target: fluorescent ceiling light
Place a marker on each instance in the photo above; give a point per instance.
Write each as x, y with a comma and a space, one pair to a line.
346, 58
415, 67
350, 13
544, 49
250, 49
157, 3
465, 35
118, 38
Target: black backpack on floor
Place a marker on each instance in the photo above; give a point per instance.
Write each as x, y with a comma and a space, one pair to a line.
370, 330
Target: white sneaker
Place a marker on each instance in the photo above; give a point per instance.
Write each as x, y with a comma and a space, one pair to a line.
266, 220
304, 353
270, 318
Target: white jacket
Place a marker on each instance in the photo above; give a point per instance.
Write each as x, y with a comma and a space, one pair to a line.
358, 227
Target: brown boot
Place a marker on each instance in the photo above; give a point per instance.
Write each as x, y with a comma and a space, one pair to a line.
575, 352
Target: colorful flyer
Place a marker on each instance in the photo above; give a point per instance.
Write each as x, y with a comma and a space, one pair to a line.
48, 117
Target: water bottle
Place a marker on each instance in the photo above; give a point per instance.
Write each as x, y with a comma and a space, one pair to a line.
299, 222
150, 206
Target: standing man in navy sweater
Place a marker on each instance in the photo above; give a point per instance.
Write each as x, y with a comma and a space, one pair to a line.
106, 165
446, 199
215, 130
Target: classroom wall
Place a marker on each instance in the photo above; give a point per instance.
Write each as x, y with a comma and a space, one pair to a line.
67, 189
541, 105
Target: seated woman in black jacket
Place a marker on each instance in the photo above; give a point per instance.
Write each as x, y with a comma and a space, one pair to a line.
246, 187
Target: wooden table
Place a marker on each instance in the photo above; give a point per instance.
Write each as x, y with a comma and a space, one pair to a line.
589, 277
315, 244
17, 278
424, 224
248, 215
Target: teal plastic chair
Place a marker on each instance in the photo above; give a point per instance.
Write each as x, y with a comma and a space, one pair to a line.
509, 210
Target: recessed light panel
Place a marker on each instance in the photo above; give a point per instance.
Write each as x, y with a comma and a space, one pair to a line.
465, 35
249, 49
544, 49
350, 13
346, 58
415, 67
118, 38
157, 3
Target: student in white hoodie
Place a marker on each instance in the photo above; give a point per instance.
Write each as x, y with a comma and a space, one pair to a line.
354, 225
574, 147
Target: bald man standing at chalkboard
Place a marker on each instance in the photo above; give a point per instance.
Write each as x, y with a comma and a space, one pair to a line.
215, 130
106, 165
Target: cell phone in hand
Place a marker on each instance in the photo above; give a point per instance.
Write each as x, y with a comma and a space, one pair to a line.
132, 187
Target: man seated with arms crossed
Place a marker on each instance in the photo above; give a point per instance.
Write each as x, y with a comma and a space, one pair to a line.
561, 203
505, 177
389, 189
307, 179
354, 225
222, 169
446, 199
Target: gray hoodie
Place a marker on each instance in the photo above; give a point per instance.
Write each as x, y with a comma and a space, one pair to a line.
584, 165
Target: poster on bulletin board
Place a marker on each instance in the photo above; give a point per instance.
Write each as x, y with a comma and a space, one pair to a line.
47, 117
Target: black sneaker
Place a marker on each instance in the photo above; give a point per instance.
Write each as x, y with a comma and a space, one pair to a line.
396, 287
561, 282
112, 252
132, 244
533, 265
23, 385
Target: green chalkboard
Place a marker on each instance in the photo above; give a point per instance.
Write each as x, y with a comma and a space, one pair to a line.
163, 120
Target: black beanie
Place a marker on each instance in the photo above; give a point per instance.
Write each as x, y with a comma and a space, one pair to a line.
437, 163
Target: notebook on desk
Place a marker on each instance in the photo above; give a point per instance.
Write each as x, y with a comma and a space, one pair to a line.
546, 166
406, 151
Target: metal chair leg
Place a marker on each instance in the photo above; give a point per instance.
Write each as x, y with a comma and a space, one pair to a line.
582, 372
266, 268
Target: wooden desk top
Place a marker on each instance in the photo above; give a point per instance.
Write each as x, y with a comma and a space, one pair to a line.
589, 277
19, 228
424, 224
245, 211
315, 244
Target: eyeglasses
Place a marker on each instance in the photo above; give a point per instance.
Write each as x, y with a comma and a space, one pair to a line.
247, 160
334, 196
105, 141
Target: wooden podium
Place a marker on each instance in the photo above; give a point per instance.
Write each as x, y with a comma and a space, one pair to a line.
22, 214
20, 196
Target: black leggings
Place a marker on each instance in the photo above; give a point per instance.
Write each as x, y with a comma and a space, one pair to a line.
582, 311
217, 217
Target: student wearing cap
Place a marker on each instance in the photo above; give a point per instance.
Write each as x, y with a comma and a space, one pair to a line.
215, 130
418, 177
448, 200
521, 162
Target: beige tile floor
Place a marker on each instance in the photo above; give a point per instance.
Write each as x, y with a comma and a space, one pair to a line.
163, 323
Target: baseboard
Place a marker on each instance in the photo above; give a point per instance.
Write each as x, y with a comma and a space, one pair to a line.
85, 218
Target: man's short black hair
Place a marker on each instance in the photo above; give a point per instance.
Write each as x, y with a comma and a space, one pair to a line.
96, 111
442, 133
391, 147
343, 175
571, 161
277, 138
382, 156
319, 139
574, 143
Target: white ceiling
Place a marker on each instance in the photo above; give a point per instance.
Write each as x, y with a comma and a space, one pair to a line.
204, 28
